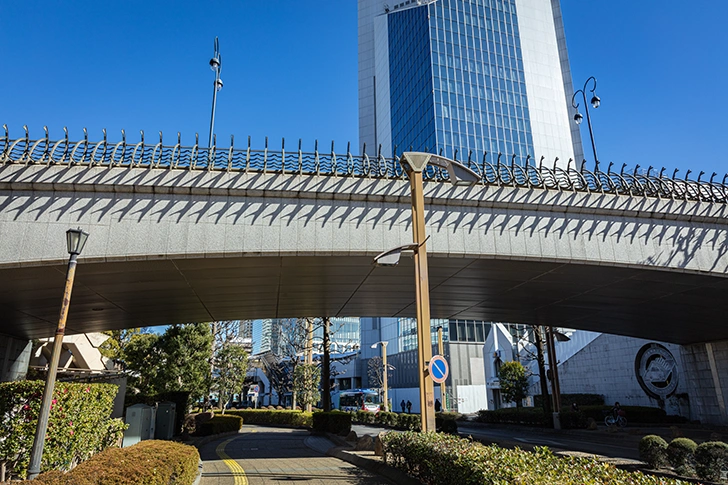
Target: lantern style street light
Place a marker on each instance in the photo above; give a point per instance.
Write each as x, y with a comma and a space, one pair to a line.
414, 163
216, 66
595, 102
75, 240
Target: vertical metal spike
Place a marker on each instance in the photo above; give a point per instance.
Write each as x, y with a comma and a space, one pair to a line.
123, 136
674, 173
555, 160
621, 172
700, 175
712, 177
65, 132
45, 130
248, 142
283, 144
662, 170
634, 174
540, 163
179, 138
85, 134
25, 127
687, 174
103, 130
315, 146
160, 137
364, 148
197, 139
232, 141
266, 142
649, 169
7, 133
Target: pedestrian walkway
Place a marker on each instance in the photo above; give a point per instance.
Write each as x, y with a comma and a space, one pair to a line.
264, 455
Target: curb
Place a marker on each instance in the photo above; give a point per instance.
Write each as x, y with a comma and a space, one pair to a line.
198, 478
395, 476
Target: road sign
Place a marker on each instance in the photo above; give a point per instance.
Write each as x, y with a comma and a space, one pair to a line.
439, 369
254, 389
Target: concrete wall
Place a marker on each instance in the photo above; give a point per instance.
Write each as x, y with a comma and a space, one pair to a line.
606, 366
14, 358
707, 366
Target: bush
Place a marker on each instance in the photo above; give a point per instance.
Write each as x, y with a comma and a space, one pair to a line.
530, 416
151, 462
681, 455
278, 418
332, 422
364, 417
573, 420
653, 450
79, 424
220, 424
409, 422
568, 399
440, 459
711, 458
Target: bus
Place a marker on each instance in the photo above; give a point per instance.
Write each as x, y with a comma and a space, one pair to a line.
357, 400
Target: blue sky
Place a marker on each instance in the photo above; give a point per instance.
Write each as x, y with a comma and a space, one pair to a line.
290, 71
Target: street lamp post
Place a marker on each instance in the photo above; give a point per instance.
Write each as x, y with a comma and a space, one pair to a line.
595, 102
216, 66
414, 164
75, 239
385, 396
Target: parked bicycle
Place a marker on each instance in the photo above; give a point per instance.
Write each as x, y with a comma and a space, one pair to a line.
611, 420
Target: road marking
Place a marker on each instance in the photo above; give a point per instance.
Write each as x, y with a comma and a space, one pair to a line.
538, 441
234, 466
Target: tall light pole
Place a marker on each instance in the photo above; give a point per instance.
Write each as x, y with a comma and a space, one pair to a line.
75, 240
441, 351
414, 164
595, 102
385, 397
216, 66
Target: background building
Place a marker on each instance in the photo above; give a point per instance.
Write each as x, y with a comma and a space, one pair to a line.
456, 76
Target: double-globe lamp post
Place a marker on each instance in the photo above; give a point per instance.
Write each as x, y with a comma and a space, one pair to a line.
75, 239
595, 102
385, 397
216, 66
414, 163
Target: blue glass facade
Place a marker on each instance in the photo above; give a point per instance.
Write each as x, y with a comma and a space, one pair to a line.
456, 79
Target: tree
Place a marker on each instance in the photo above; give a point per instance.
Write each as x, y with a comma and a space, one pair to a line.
139, 361
231, 367
113, 348
375, 373
513, 382
306, 379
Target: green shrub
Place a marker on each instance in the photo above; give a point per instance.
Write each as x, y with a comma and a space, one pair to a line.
333, 422
220, 423
441, 459
572, 420
567, 399
274, 417
79, 424
364, 417
711, 458
681, 455
529, 416
450, 415
653, 450
150, 462
409, 422
389, 420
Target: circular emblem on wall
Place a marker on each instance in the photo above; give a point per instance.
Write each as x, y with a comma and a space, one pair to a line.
656, 371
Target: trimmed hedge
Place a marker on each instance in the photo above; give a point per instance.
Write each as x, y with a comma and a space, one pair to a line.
529, 416
711, 458
220, 423
407, 422
282, 418
567, 399
653, 450
441, 459
150, 462
332, 422
79, 424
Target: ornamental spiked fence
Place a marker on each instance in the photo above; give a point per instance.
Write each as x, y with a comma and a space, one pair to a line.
495, 170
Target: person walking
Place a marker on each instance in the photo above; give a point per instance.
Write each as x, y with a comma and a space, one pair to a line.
409, 406
403, 405
438, 405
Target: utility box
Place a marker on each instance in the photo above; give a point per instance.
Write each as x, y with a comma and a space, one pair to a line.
141, 420
164, 423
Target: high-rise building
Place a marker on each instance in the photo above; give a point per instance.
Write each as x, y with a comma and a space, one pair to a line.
466, 77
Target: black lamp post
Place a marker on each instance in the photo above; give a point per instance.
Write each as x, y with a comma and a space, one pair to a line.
216, 66
595, 102
75, 239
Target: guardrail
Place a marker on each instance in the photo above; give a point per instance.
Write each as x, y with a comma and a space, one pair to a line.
527, 173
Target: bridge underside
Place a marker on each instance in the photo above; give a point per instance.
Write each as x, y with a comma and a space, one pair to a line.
669, 306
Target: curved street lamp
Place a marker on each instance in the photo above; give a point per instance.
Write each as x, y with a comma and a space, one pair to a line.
595, 102
414, 163
216, 66
75, 241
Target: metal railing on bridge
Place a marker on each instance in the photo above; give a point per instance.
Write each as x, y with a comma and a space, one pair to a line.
495, 170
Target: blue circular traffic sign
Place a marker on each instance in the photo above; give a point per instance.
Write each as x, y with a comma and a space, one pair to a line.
439, 369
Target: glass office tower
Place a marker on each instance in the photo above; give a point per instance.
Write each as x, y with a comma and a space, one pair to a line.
465, 78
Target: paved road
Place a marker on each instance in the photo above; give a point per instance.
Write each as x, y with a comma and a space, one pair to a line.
264, 455
619, 445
